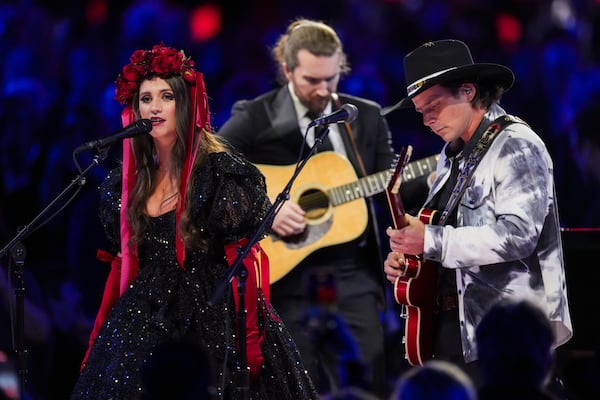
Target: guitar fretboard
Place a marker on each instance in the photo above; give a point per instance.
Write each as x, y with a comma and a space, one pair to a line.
418, 168
376, 183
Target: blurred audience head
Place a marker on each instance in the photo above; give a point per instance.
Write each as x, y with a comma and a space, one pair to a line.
435, 379
515, 345
177, 370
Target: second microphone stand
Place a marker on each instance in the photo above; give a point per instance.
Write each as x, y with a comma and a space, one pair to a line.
238, 270
18, 254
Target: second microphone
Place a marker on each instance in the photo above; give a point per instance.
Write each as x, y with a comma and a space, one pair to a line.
346, 113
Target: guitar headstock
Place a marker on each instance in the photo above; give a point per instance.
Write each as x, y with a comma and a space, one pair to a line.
395, 176
393, 186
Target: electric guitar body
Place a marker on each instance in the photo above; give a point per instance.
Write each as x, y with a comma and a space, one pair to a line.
415, 289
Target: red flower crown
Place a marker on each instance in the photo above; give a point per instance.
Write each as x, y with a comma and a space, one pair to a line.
161, 61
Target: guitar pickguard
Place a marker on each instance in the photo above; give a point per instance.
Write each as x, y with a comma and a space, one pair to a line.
311, 234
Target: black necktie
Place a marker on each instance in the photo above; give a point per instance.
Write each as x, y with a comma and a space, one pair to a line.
326, 145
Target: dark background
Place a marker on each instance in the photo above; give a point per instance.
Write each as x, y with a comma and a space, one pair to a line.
59, 62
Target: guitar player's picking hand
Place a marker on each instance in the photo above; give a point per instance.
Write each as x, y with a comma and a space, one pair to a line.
410, 239
394, 266
289, 220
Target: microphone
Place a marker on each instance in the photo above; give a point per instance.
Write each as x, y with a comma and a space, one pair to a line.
136, 128
347, 113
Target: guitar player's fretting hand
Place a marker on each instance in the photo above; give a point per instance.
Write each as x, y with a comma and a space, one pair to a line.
410, 239
289, 220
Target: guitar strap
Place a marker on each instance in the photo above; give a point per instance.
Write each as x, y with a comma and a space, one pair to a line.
476, 155
363, 171
348, 130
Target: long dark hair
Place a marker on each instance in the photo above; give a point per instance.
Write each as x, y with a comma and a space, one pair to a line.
147, 163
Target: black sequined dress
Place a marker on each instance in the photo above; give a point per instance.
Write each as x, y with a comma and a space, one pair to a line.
166, 303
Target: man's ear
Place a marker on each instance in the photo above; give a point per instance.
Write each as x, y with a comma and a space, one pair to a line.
286, 71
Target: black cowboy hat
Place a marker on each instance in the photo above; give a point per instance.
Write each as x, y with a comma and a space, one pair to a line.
444, 61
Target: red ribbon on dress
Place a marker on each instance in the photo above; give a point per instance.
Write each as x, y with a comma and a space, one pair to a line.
257, 290
109, 297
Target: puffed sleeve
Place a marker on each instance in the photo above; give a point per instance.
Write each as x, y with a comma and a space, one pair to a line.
110, 206
230, 198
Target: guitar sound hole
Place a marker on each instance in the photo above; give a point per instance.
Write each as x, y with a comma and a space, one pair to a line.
315, 202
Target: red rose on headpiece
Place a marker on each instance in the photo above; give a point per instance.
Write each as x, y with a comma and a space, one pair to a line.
131, 72
167, 63
138, 56
190, 77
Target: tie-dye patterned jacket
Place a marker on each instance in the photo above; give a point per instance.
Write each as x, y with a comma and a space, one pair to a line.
506, 242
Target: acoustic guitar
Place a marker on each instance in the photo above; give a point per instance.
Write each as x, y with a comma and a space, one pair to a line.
333, 198
415, 289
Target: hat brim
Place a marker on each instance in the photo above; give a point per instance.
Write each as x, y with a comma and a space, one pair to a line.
483, 72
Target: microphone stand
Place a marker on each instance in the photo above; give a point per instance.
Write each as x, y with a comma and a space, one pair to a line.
18, 254
238, 269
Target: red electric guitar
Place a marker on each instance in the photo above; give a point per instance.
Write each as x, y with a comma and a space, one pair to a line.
415, 289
